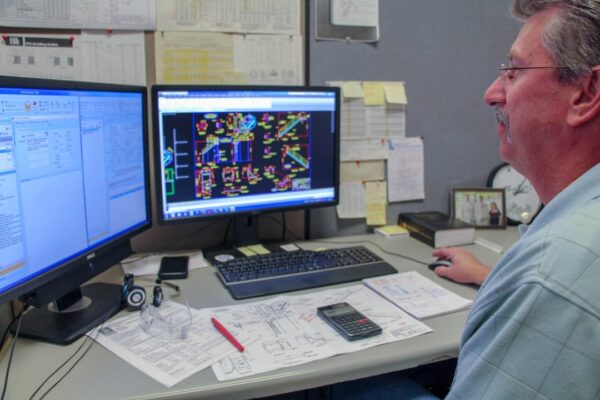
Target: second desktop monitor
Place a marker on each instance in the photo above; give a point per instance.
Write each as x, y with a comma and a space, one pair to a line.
225, 151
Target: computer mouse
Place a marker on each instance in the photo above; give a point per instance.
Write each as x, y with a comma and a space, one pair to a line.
440, 262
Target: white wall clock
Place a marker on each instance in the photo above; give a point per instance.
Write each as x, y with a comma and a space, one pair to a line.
522, 202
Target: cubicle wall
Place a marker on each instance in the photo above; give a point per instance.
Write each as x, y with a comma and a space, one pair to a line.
447, 52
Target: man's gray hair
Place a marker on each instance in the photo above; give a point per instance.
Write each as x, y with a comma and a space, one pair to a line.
572, 37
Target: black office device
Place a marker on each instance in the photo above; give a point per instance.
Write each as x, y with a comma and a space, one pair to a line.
173, 267
240, 151
302, 269
74, 188
348, 322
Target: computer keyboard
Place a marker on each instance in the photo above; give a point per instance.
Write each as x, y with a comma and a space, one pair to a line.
302, 269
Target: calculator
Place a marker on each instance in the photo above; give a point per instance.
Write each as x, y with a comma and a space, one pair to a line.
349, 322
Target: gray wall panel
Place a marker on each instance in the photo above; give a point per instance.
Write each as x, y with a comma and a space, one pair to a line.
447, 52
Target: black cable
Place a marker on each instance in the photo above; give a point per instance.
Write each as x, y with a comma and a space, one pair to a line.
12, 350
376, 245
89, 341
289, 232
229, 222
139, 258
191, 235
14, 319
284, 226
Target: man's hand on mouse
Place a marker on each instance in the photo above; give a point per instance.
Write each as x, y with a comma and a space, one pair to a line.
465, 268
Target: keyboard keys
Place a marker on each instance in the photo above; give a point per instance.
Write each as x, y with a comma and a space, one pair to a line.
281, 272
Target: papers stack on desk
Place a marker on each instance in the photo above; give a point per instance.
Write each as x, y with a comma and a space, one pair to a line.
286, 330
167, 361
278, 332
417, 295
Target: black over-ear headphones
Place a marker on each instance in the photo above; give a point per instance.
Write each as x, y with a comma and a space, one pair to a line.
134, 296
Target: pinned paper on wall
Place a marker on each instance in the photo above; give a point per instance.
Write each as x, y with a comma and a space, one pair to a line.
257, 16
50, 56
405, 169
114, 57
352, 200
220, 58
347, 20
361, 171
355, 12
365, 149
376, 203
372, 109
137, 15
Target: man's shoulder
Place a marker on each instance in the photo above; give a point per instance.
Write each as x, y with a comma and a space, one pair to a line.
569, 263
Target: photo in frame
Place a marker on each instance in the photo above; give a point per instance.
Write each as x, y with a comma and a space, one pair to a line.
484, 208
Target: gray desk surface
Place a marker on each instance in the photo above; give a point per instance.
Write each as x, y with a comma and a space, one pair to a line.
102, 375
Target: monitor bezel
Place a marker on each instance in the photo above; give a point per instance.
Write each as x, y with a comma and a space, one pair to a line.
157, 151
47, 285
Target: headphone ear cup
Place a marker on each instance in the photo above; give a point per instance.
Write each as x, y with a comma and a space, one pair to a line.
157, 296
136, 297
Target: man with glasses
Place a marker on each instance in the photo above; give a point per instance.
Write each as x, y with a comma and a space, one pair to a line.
534, 329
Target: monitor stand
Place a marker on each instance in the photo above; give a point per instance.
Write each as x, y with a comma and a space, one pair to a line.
246, 230
66, 320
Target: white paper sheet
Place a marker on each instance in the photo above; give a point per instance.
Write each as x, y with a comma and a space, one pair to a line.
286, 331
269, 59
406, 169
360, 171
169, 362
355, 12
353, 200
417, 295
53, 56
80, 14
116, 57
257, 16
366, 149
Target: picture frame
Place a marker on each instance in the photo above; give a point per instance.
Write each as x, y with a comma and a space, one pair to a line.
481, 207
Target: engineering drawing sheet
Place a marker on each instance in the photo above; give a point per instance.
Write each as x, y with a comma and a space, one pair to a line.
285, 331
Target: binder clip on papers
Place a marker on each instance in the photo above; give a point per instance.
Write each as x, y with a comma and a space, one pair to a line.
166, 322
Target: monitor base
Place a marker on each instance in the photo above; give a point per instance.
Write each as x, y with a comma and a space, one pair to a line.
64, 327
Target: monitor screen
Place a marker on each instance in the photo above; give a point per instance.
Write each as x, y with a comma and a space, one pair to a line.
225, 151
73, 183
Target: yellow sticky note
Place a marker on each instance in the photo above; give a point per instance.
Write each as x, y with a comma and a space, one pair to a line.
376, 203
395, 93
374, 93
259, 249
352, 89
246, 251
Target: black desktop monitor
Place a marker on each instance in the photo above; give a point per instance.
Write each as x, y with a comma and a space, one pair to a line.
74, 189
239, 151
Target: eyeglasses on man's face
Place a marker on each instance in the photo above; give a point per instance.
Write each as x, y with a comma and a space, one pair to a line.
508, 74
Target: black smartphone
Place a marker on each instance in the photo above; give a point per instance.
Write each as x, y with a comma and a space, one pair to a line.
173, 267
349, 322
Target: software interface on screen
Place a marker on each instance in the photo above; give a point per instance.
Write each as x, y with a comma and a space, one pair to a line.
71, 175
228, 151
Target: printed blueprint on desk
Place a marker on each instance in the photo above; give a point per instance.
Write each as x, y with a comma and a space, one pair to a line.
286, 331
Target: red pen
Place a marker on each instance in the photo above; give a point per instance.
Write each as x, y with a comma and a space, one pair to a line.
223, 331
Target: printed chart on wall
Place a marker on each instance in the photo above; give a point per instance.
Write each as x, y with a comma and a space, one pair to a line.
374, 148
229, 42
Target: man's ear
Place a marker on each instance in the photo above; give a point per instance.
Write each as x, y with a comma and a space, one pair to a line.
585, 102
